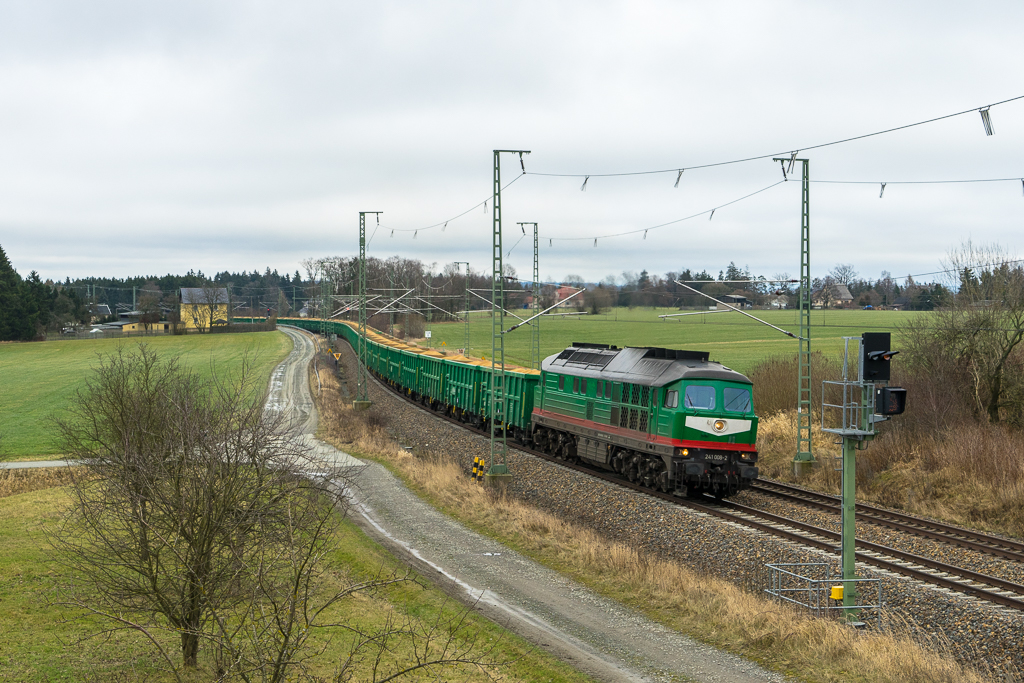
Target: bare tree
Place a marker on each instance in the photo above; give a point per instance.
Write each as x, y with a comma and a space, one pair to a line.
185, 484
843, 273
984, 327
149, 305
195, 517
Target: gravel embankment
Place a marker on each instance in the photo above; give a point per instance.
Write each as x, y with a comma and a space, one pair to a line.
972, 630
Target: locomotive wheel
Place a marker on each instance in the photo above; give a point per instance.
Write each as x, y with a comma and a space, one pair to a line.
632, 471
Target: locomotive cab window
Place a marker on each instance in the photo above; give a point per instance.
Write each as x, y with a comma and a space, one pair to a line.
575, 385
607, 389
699, 397
561, 382
600, 388
736, 400
672, 399
583, 384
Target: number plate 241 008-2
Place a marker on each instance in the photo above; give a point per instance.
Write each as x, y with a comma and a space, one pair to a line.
714, 456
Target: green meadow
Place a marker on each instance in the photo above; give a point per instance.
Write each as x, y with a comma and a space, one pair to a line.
730, 337
39, 379
45, 642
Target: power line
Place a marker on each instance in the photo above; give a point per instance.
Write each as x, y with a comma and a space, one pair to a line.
709, 212
793, 151
920, 182
444, 223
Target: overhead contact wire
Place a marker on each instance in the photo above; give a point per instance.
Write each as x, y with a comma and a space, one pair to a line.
446, 222
677, 169
662, 225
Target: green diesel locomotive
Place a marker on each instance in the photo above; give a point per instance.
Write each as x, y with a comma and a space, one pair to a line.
667, 419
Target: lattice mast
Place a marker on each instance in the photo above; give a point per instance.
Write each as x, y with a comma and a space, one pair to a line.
804, 458
361, 378
465, 304
498, 465
804, 452
535, 324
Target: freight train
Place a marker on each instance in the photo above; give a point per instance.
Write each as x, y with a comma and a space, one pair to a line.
666, 419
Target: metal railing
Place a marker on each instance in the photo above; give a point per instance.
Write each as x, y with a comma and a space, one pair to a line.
810, 585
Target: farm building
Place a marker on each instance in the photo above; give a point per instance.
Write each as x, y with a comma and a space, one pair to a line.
201, 308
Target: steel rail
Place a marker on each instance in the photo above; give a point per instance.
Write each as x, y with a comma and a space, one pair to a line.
938, 531
772, 527
967, 574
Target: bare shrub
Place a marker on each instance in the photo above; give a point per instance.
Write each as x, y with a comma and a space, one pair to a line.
413, 325
193, 519
775, 381
186, 503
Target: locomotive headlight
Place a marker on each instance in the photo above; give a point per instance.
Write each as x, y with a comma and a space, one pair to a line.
685, 452
719, 425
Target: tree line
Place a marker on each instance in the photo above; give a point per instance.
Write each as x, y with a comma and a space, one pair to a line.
30, 307
33, 307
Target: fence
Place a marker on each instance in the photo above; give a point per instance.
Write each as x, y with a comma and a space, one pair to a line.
810, 584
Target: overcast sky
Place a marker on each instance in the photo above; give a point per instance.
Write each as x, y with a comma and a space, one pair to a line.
145, 138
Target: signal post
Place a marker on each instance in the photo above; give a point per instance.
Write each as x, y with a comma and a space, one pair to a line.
865, 401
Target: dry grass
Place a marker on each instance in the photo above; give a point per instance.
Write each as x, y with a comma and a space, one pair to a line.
13, 482
704, 607
972, 476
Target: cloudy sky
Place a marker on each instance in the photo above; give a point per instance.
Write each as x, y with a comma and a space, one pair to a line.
146, 138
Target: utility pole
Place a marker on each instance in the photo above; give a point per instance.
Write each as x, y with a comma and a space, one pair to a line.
535, 329
498, 465
465, 305
804, 460
361, 397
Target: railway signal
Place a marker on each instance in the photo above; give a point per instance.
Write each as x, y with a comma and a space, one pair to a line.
877, 354
866, 401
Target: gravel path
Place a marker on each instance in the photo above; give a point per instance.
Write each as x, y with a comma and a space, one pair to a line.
972, 630
596, 636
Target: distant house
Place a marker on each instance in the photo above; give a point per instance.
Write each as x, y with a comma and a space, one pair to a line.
843, 296
734, 300
102, 311
134, 326
201, 308
780, 301
835, 296
562, 295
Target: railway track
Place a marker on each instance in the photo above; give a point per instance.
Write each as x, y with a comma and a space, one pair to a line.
926, 570
995, 546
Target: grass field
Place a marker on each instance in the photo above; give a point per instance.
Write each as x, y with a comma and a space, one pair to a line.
40, 645
40, 379
730, 337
